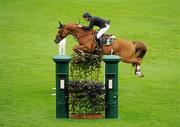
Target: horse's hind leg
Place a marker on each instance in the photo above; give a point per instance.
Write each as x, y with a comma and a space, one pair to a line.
137, 63
138, 71
138, 68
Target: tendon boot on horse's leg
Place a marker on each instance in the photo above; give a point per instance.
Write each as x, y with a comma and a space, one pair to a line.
137, 68
137, 63
138, 71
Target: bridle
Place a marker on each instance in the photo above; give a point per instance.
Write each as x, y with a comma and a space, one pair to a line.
75, 33
61, 33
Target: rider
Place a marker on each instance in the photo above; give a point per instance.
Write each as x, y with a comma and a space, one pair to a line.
96, 21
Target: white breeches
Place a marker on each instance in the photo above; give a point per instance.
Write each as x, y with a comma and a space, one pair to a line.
102, 31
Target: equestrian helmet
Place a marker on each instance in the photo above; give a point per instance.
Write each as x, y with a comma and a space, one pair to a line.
86, 15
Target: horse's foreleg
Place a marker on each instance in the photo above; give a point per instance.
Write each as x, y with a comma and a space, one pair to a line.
78, 48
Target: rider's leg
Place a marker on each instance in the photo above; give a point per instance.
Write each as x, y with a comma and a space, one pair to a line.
100, 33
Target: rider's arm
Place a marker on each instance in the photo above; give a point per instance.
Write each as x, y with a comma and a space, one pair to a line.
91, 24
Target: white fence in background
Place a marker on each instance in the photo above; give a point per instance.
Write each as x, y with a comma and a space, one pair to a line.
62, 47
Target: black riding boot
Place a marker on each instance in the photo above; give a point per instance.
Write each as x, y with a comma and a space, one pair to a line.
98, 44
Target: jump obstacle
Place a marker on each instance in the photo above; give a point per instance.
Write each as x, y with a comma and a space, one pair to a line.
62, 77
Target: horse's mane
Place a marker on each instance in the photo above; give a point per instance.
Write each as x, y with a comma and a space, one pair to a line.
75, 26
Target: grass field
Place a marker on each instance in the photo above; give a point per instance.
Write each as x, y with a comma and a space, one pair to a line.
27, 72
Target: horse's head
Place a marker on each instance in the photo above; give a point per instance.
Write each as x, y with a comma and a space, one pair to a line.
62, 33
72, 29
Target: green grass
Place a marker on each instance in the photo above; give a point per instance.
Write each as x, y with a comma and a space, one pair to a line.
27, 72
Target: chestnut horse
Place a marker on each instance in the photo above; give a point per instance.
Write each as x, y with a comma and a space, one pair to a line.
130, 51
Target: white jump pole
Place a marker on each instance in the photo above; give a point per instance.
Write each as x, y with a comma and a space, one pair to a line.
62, 47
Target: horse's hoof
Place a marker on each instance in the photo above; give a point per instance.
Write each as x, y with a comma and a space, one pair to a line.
140, 76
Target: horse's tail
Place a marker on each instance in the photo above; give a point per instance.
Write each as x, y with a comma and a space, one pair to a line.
140, 49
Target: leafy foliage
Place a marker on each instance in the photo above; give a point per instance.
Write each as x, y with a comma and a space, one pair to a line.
84, 66
86, 95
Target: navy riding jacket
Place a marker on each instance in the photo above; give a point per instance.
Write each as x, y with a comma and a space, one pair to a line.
96, 21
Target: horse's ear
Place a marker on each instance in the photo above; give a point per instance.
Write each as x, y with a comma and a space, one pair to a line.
60, 25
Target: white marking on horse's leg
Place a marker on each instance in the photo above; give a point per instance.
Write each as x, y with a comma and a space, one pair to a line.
138, 70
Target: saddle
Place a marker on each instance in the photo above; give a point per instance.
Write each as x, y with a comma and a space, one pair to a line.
105, 39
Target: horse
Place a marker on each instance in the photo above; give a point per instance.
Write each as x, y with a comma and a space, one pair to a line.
131, 52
